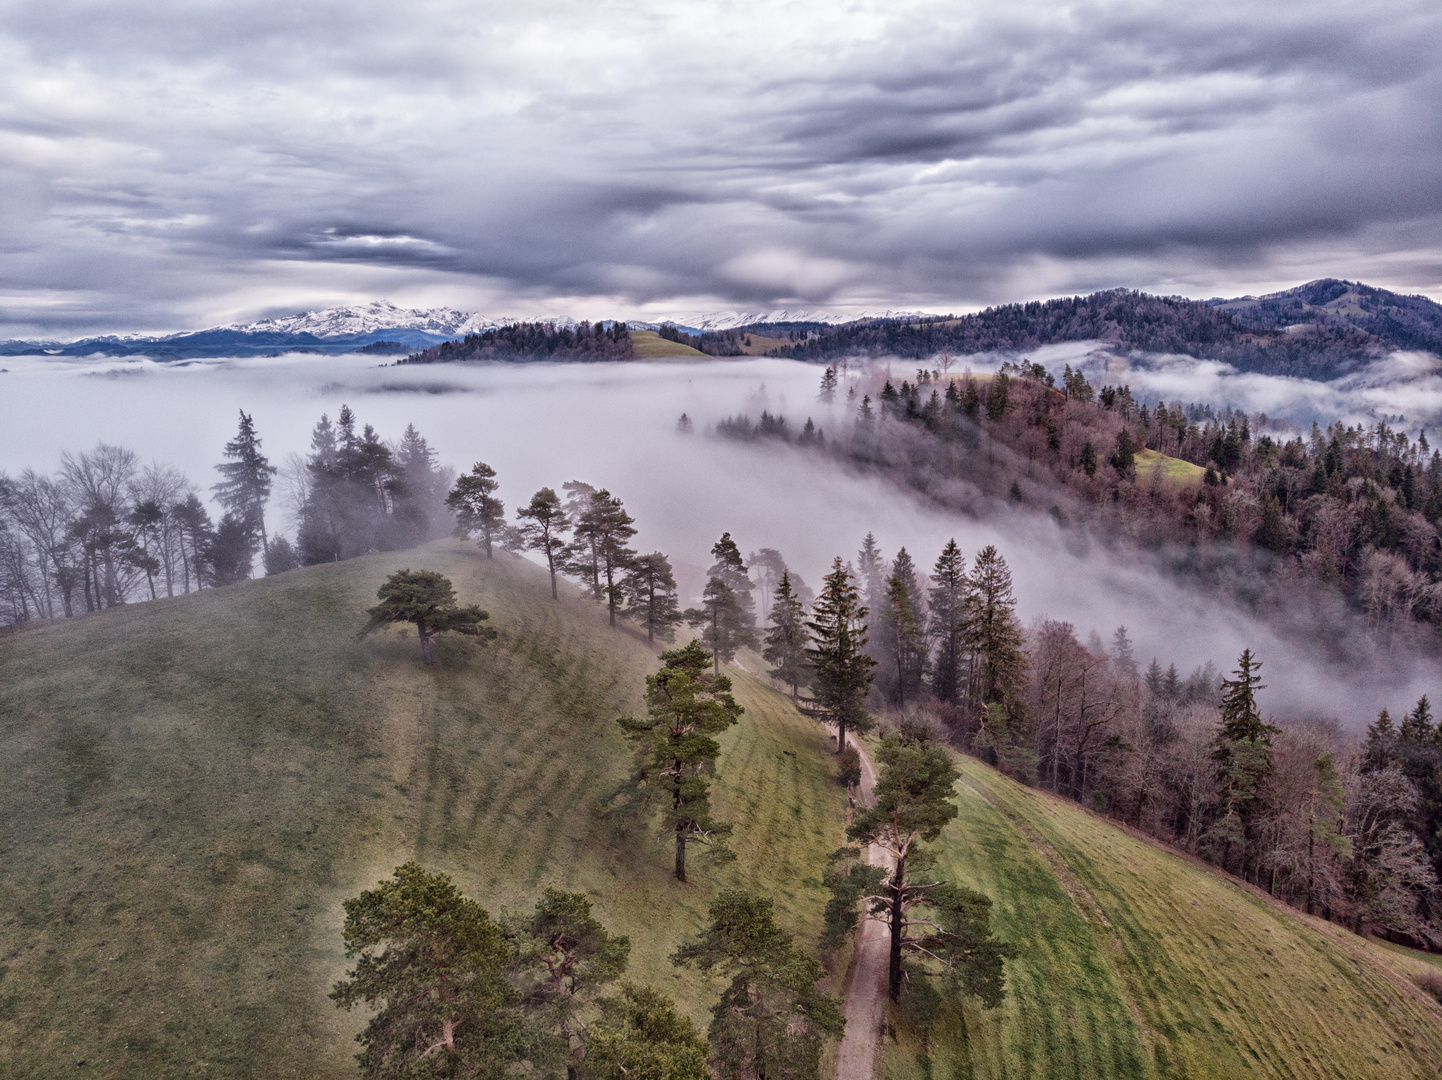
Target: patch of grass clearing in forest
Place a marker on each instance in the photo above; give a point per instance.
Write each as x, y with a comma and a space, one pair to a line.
1137, 961
1150, 463
195, 785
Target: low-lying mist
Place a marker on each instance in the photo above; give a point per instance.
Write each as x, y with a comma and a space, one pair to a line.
615, 425
1402, 388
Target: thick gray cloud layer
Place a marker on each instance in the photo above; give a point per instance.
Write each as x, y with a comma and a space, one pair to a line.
175, 164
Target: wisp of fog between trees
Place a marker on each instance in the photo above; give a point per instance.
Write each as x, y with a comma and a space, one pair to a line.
615, 426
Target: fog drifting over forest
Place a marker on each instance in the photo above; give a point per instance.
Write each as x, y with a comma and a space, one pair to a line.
614, 425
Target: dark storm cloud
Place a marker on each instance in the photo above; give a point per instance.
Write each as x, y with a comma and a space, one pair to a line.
174, 163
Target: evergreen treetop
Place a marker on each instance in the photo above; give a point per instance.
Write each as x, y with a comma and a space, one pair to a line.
1241, 719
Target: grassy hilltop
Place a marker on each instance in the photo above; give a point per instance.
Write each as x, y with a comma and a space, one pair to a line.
194, 785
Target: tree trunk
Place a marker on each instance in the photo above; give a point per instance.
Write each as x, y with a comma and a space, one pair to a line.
680, 852
551, 564
898, 881
840, 735
425, 644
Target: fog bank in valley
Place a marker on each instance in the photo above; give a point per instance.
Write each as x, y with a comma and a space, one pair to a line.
615, 426
1402, 388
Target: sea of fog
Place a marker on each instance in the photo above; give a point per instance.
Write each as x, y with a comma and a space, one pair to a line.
1402, 388
615, 426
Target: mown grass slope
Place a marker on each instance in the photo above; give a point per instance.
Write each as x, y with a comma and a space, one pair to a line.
193, 786
1174, 470
1138, 962
650, 345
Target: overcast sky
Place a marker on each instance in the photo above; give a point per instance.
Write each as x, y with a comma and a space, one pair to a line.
170, 165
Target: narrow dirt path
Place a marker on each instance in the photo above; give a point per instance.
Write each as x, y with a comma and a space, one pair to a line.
864, 996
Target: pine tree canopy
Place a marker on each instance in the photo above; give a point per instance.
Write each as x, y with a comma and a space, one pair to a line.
428, 600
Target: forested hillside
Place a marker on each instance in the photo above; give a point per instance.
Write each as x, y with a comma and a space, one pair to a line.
1221, 496
1306, 332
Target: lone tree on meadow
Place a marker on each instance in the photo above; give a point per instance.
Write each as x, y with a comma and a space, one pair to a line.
245, 480
543, 528
677, 748
770, 1021
841, 669
428, 600
473, 500
786, 637
937, 928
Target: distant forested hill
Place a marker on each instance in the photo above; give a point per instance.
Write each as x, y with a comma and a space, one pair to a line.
535, 341
1317, 330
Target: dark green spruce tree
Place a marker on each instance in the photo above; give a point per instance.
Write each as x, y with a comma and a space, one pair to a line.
841, 669
993, 637
687, 707
947, 624
905, 642
1242, 751
786, 637
245, 481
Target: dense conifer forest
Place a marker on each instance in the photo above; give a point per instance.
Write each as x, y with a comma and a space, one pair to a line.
535, 341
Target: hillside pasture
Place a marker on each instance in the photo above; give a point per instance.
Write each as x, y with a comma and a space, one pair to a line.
1139, 962
194, 786
650, 345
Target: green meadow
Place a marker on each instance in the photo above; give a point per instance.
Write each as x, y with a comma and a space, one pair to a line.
193, 786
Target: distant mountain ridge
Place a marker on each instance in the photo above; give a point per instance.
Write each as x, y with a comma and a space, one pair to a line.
1318, 330
352, 328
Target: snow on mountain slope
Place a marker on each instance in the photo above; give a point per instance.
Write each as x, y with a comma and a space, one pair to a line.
378, 315
729, 320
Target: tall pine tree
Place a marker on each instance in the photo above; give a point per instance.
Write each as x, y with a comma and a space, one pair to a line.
604, 531
476, 506
677, 747
543, 528
650, 590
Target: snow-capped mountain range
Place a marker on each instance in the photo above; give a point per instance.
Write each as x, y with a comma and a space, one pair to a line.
378, 315
344, 329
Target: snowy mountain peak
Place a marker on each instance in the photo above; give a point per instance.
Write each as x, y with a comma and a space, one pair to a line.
376, 316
